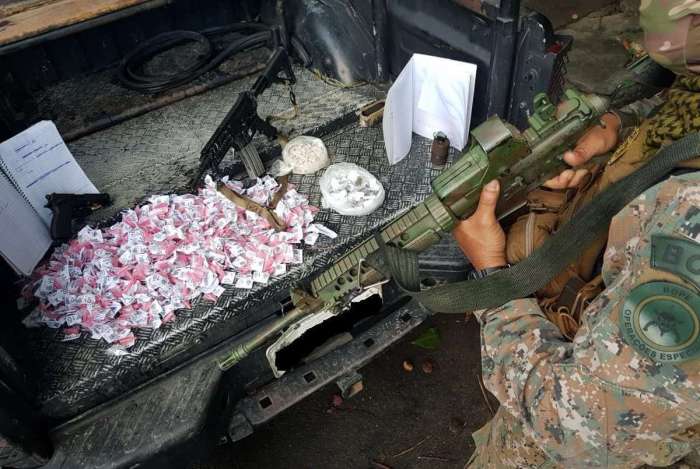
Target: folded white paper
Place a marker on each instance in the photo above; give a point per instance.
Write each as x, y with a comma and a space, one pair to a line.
430, 94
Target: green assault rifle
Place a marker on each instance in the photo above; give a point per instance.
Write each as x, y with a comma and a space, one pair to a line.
521, 161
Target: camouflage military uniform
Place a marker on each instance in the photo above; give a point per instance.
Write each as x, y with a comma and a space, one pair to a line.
626, 391
603, 399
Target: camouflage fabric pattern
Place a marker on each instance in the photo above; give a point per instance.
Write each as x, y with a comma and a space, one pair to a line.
672, 33
596, 401
679, 115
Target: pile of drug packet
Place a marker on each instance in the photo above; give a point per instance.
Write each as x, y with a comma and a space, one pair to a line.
164, 254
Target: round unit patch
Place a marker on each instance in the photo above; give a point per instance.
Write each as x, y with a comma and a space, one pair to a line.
662, 321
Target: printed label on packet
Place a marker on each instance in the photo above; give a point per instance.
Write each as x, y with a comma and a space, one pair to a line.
126, 258
269, 182
72, 319
142, 258
297, 256
159, 199
325, 231
56, 297
235, 250
229, 278
160, 237
257, 264
261, 277
244, 281
87, 234
156, 308
280, 269
217, 257
311, 238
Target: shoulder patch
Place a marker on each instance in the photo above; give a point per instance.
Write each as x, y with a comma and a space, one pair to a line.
662, 321
678, 256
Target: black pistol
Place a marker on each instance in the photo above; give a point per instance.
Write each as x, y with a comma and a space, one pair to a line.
68, 207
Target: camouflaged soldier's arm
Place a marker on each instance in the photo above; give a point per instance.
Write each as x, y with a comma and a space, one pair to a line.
627, 390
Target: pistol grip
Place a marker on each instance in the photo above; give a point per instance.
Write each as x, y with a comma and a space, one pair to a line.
61, 223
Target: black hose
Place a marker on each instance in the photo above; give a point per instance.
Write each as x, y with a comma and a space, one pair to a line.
131, 77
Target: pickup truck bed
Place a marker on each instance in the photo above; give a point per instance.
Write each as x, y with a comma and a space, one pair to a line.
157, 153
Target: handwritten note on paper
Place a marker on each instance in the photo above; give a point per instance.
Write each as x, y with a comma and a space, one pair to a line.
23, 237
39, 163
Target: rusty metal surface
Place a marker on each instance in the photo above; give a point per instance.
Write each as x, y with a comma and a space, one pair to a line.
474, 5
88, 103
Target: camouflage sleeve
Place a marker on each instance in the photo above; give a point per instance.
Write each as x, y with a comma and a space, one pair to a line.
528, 365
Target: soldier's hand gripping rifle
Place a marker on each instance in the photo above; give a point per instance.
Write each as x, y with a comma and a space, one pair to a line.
521, 161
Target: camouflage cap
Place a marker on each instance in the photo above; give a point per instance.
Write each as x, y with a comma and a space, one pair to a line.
672, 33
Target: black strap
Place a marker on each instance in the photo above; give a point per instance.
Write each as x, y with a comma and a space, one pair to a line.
536, 271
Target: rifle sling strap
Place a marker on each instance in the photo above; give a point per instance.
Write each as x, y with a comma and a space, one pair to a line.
535, 271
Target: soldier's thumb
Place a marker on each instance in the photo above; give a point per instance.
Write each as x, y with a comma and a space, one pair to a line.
486, 210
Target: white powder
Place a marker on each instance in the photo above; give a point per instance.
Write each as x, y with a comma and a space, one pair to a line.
305, 155
351, 190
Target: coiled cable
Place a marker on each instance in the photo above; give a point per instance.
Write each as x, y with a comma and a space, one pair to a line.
131, 76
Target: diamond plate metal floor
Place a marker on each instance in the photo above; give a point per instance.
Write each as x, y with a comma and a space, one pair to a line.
154, 153
159, 152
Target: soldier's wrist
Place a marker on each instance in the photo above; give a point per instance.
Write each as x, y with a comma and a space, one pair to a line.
489, 263
485, 272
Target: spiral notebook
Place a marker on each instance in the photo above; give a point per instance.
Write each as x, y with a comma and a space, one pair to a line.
33, 164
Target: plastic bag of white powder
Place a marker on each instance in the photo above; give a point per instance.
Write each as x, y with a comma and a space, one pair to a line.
351, 190
305, 155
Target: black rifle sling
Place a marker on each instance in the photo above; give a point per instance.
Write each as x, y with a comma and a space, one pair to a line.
536, 271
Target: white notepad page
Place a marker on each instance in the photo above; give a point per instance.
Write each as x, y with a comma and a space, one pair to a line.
38, 162
24, 238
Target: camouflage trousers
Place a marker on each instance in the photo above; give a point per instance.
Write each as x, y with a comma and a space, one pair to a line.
502, 443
